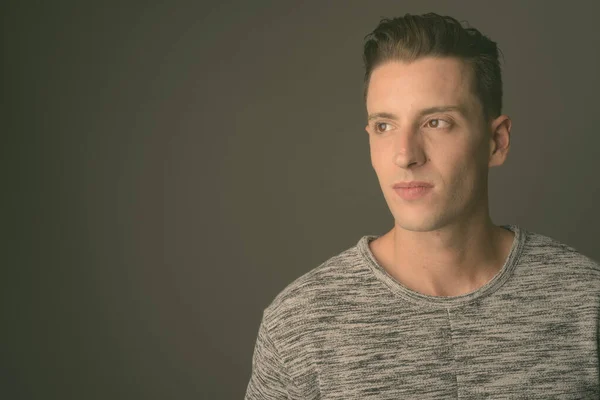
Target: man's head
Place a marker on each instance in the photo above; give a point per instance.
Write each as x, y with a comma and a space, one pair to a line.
412, 37
433, 97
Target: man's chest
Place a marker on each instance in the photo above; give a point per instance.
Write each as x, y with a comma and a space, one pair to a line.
457, 354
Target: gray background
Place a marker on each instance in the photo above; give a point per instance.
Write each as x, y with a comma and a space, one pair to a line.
172, 166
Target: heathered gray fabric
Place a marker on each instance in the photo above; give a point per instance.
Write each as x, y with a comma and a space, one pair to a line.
348, 330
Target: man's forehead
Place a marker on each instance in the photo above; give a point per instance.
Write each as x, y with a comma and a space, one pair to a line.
443, 66
430, 74
420, 84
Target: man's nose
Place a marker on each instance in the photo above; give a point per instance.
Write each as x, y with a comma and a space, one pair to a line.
408, 148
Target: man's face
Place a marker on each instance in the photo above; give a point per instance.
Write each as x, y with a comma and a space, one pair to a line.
411, 142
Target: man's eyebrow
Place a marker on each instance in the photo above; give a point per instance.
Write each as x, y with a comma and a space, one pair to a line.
425, 111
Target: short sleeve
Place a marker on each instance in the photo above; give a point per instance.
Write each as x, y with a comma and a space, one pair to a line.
268, 379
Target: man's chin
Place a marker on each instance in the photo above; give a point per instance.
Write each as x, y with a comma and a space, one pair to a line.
420, 223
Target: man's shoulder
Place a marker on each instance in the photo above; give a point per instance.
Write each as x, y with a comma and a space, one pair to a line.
319, 285
542, 249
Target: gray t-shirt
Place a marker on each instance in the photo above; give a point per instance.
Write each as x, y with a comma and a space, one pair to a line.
348, 330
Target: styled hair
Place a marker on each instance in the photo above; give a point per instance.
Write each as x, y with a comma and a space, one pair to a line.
411, 37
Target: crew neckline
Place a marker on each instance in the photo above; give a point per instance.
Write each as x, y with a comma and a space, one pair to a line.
445, 301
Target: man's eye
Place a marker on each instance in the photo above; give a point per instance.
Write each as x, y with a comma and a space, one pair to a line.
437, 123
378, 127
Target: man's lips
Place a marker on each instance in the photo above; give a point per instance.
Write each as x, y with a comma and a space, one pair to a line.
411, 184
413, 191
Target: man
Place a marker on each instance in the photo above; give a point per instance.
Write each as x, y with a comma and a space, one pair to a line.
446, 304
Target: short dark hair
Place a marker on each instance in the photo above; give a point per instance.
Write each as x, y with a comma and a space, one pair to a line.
411, 37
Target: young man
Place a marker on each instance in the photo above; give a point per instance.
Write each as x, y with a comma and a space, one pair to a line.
445, 305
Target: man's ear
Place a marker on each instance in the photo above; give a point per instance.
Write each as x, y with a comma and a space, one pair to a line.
499, 140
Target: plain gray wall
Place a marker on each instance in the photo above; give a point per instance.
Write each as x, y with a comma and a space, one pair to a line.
173, 166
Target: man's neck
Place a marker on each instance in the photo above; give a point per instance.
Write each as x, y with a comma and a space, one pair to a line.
447, 262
